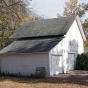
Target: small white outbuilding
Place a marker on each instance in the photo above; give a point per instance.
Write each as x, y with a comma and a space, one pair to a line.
51, 43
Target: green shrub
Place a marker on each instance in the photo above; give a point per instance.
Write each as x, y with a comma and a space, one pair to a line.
43, 74
82, 62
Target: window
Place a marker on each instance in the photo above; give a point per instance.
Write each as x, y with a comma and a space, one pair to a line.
25, 62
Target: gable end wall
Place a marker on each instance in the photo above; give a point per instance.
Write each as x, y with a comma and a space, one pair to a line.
72, 43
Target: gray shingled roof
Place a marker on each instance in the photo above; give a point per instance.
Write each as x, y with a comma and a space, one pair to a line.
38, 30
30, 46
56, 26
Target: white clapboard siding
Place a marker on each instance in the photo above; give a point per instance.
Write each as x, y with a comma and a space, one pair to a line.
25, 63
72, 43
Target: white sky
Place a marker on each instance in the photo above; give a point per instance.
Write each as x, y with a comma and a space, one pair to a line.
49, 8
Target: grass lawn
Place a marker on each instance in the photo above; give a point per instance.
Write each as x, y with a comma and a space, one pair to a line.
70, 82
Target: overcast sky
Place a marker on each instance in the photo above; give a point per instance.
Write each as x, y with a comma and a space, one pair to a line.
49, 8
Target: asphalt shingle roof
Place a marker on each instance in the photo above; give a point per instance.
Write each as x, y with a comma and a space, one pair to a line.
39, 35
48, 27
30, 46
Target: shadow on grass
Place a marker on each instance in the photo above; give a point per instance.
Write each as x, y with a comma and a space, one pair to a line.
80, 80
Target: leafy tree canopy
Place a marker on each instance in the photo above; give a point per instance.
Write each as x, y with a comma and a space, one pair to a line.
13, 13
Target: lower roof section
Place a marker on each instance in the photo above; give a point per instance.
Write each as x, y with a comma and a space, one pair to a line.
31, 46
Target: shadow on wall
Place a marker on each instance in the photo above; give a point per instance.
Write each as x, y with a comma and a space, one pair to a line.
72, 51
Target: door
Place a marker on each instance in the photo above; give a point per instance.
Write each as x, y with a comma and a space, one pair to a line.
70, 62
57, 64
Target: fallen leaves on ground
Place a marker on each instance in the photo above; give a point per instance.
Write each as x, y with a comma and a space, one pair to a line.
18, 82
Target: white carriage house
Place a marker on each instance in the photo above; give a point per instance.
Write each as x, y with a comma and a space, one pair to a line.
51, 43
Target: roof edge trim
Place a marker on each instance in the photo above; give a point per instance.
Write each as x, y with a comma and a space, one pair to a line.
24, 53
81, 28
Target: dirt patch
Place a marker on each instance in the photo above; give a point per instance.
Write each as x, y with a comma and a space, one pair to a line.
78, 72
74, 81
